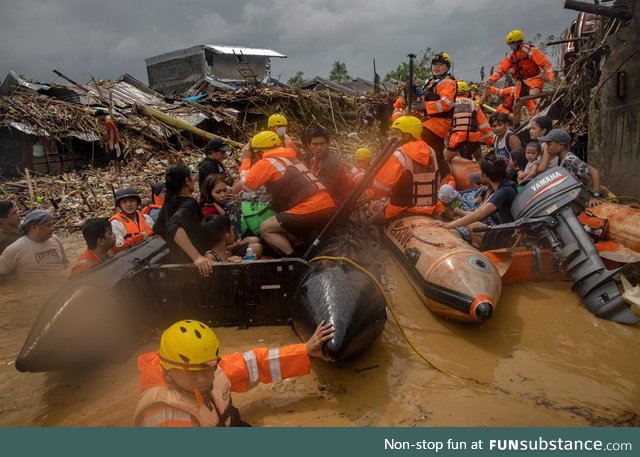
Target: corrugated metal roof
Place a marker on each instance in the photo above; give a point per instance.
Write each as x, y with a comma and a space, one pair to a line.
245, 51
86, 136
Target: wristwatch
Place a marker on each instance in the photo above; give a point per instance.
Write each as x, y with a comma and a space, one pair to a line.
597, 194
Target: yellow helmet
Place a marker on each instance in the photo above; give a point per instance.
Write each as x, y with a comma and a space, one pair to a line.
473, 86
463, 87
363, 154
410, 125
189, 345
265, 140
443, 57
514, 36
276, 120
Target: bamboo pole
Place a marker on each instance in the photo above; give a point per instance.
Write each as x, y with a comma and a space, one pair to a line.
335, 126
30, 184
182, 125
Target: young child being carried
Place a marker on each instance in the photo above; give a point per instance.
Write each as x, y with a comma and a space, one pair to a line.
532, 153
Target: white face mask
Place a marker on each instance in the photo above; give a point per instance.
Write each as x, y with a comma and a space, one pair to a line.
281, 131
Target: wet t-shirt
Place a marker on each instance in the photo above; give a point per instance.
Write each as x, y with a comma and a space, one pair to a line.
6, 238
26, 257
186, 215
502, 198
576, 167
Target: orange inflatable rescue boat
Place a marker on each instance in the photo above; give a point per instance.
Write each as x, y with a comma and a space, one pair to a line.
456, 280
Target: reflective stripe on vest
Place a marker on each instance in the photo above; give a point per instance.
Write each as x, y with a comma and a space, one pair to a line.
525, 67
305, 184
424, 187
464, 116
431, 95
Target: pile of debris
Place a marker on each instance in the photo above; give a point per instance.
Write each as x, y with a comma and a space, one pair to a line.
150, 144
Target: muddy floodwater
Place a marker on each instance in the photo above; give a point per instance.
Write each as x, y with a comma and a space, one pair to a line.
542, 360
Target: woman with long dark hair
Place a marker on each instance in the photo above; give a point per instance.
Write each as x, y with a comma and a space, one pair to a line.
540, 126
179, 221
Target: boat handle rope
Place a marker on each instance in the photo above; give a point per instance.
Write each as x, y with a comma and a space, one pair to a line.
531, 403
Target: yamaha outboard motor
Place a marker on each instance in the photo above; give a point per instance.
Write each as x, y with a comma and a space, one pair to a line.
547, 209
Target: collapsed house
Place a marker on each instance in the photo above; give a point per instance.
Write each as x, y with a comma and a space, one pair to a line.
223, 67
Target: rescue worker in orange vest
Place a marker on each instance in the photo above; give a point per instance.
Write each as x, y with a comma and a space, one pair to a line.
469, 128
439, 95
363, 162
98, 235
399, 109
410, 177
188, 384
157, 194
129, 225
526, 64
508, 97
279, 124
303, 203
474, 93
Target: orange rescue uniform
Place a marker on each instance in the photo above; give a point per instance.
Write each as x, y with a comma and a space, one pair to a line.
86, 261
526, 64
469, 124
163, 406
440, 95
414, 160
264, 171
508, 94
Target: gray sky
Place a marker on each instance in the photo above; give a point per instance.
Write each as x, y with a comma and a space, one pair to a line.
108, 38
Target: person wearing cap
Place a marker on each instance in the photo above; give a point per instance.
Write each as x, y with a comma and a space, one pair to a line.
188, 383
302, 202
38, 251
558, 142
9, 222
98, 234
116, 154
129, 225
157, 193
215, 151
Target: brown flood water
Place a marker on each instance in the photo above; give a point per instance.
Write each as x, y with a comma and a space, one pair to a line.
542, 360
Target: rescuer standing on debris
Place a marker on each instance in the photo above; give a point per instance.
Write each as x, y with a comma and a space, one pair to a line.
526, 63
187, 383
116, 153
440, 95
469, 128
410, 177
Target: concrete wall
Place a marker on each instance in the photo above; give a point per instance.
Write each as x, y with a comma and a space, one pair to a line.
176, 75
614, 130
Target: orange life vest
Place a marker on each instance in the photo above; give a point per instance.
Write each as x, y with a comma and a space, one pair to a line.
130, 224
418, 185
464, 116
222, 414
522, 64
297, 184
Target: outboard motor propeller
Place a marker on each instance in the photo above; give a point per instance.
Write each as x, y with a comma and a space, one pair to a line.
546, 210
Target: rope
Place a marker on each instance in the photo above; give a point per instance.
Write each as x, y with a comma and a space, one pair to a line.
420, 353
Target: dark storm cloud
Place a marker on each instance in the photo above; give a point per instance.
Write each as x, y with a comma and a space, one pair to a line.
107, 39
